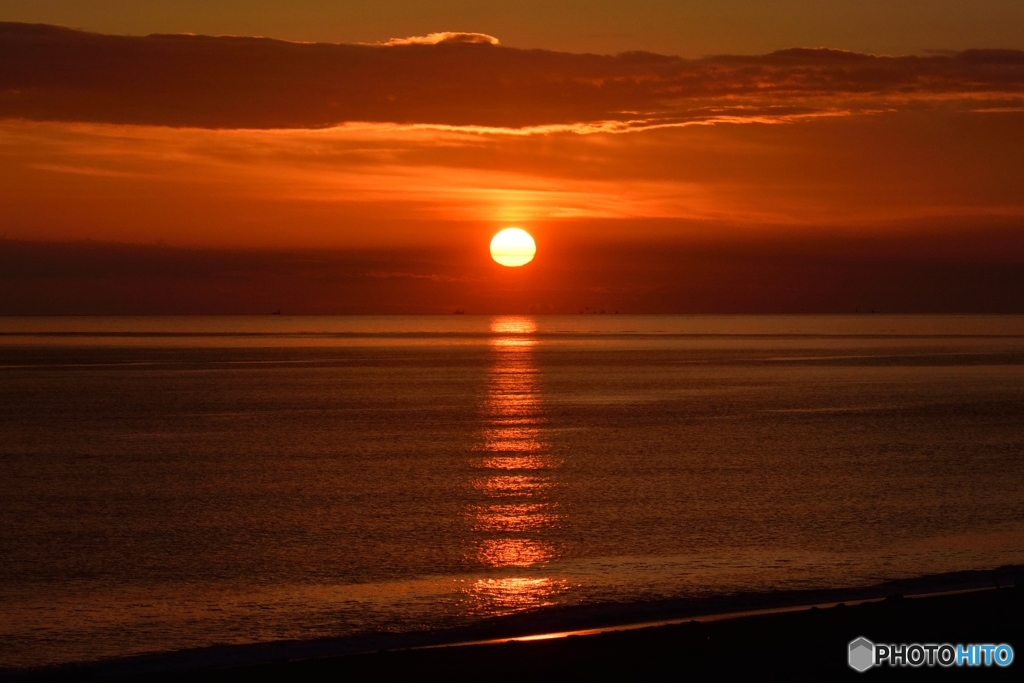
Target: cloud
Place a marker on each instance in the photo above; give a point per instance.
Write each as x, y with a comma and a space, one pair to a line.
433, 277
445, 37
808, 274
464, 80
385, 184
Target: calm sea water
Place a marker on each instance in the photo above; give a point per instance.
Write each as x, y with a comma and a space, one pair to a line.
168, 483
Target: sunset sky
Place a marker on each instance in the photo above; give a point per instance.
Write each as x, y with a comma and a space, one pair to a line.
667, 156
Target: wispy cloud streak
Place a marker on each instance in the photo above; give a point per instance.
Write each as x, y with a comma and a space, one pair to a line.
444, 37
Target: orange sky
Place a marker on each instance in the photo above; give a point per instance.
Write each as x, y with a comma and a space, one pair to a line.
651, 183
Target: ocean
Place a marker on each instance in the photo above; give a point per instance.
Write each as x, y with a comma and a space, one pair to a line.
169, 483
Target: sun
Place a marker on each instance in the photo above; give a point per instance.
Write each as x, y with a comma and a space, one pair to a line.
513, 247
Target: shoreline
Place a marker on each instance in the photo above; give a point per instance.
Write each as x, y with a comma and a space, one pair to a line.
547, 628
798, 644
704, 619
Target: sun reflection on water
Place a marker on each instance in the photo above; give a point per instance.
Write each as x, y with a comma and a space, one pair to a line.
510, 326
514, 552
516, 510
502, 596
514, 486
515, 518
520, 462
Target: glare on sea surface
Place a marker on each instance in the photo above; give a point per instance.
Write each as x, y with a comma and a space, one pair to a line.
514, 594
513, 325
517, 509
514, 552
515, 518
513, 247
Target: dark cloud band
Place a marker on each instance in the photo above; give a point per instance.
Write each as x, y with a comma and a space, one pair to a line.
52, 73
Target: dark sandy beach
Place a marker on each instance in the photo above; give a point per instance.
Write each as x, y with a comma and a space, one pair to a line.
781, 636
806, 643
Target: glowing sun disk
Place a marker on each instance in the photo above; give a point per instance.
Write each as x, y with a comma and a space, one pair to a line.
513, 247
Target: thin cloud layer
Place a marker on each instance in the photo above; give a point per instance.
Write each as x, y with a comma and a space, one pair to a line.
444, 37
796, 276
466, 80
373, 184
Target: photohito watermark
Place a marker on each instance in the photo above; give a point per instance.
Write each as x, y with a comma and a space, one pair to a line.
863, 654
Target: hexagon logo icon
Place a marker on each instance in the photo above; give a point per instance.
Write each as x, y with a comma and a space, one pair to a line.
862, 654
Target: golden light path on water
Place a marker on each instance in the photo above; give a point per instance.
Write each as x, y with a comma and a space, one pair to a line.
517, 505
